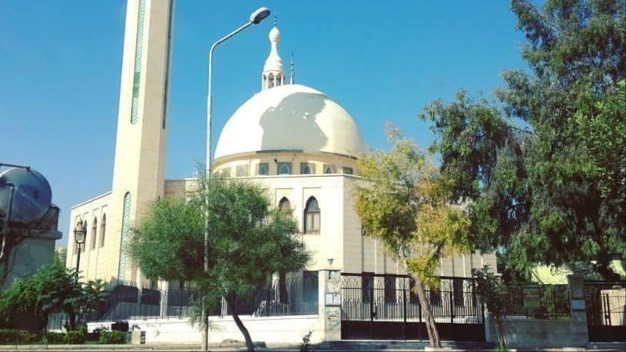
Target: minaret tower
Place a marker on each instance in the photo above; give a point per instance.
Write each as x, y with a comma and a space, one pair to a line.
273, 74
139, 167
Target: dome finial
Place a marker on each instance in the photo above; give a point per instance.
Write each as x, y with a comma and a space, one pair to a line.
273, 74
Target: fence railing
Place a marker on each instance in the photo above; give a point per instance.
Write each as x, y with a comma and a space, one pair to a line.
285, 296
537, 301
393, 298
605, 302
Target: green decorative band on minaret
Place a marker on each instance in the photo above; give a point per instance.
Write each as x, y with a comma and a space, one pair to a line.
138, 55
168, 53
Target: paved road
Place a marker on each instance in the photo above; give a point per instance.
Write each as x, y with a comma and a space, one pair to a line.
362, 346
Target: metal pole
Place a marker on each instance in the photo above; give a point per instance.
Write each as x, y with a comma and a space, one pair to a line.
209, 110
208, 166
78, 260
404, 301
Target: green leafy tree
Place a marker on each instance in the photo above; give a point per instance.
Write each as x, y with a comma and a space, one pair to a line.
543, 167
248, 242
405, 205
61, 254
493, 293
52, 288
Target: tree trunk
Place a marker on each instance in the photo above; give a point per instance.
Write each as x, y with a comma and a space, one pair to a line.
231, 300
205, 327
72, 321
431, 328
501, 341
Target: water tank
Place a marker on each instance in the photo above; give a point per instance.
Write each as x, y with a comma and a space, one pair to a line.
26, 192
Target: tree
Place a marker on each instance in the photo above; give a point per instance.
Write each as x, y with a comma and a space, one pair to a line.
249, 241
61, 254
543, 167
493, 293
52, 288
405, 204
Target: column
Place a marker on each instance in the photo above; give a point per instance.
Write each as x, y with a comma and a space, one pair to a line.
331, 304
577, 309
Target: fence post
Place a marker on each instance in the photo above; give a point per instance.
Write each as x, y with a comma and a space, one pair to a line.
404, 307
577, 307
164, 286
451, 295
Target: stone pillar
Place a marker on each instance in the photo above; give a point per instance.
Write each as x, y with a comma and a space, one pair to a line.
139, 288
577, 308
331, 304
577, 297
164, 289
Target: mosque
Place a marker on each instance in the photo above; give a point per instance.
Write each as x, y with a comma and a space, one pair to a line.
295, 140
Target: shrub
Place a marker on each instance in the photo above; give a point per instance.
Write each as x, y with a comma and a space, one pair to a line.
74, 337
54, 338
112, 337
14, 336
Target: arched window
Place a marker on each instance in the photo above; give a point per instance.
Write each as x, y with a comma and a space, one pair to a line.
82, 247
103, 228
284, 205
263, 169
74, 247
312, 216
306, 170
94, 231
242, 170
121, 269
329, 170
284, 169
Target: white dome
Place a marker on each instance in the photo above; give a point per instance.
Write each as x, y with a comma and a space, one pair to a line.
290, 117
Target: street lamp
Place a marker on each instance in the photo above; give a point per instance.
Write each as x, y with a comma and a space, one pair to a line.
255, 18
80, 232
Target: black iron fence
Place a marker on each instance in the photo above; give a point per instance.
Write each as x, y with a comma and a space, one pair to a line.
387, 307
296, 295
393, 298
605, 302
537, 301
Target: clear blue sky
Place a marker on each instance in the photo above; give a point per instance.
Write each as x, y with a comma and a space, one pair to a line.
381, 60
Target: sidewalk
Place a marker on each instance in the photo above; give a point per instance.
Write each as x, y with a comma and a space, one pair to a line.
355, 345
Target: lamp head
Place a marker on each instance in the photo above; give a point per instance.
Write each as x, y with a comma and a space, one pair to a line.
80, 232
259, 15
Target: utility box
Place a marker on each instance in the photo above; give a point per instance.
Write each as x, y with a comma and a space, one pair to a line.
138, 337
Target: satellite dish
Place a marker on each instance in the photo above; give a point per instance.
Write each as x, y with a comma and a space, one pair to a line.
31, 195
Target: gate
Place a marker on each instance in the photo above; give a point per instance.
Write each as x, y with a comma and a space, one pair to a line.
605, 302
385, 307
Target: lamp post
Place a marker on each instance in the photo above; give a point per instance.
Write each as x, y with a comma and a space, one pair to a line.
80, 232
255, 18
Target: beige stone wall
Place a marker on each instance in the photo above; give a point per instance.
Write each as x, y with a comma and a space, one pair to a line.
98, 241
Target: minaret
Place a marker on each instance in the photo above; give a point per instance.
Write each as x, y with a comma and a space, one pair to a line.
273, 74
139, 167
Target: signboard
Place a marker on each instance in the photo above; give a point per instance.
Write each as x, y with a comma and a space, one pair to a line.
333, 299
531, 297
